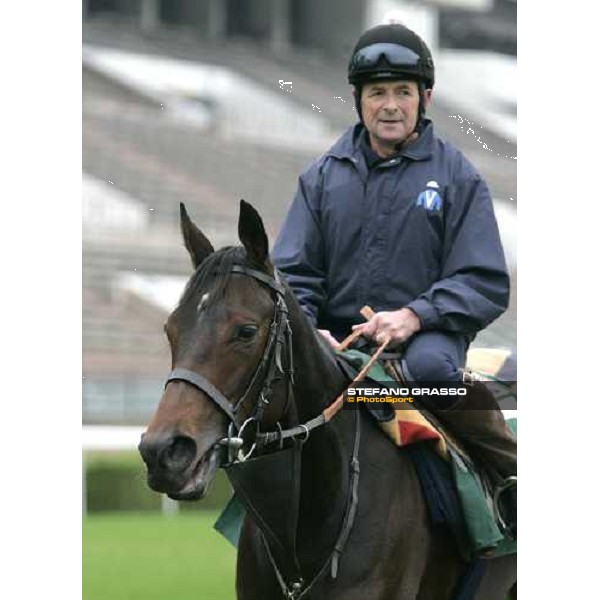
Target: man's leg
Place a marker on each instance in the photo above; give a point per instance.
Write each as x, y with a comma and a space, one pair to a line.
435, 356
475, 418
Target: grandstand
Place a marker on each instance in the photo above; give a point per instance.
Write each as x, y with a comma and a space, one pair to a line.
144, 151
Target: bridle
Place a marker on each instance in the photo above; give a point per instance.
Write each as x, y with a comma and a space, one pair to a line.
271, 368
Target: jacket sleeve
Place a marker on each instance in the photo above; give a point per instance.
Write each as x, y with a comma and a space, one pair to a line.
299, 250
473, 289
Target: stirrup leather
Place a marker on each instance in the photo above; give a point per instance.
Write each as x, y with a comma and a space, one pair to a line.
508, 483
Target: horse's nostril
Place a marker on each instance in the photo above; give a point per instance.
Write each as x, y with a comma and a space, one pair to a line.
149, 450
179, 454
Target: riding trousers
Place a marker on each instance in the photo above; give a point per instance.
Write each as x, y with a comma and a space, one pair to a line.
435, 356
475, 419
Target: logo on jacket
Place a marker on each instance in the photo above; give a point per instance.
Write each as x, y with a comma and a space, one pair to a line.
430, 198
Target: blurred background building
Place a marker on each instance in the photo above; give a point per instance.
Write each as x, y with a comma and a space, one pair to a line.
210, 101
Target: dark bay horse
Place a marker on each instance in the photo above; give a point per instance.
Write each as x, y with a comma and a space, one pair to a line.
232, 337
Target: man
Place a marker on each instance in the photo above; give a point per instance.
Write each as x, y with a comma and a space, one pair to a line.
394, 217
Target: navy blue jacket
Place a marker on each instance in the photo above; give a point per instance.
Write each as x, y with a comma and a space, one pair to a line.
416, 230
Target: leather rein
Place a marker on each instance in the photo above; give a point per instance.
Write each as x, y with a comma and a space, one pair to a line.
271, 368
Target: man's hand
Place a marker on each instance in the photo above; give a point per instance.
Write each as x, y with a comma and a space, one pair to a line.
399, 325
327, 335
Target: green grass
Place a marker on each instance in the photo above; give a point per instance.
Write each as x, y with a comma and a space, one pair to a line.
129, 556
151, 557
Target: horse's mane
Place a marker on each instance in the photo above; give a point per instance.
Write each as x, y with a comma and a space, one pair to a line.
215, 267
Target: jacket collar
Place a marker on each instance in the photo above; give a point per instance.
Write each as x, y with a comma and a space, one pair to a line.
348, 146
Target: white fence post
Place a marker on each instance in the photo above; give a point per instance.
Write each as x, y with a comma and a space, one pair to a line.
168, 506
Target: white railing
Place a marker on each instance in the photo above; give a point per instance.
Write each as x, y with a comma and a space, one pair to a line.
95, 438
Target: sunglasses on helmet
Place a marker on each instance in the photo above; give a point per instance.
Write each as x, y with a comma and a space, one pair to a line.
394, 54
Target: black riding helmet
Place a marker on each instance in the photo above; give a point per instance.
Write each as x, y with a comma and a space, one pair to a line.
391, 52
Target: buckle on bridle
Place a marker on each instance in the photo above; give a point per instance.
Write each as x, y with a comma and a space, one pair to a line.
307, 433
235, 444
240, 454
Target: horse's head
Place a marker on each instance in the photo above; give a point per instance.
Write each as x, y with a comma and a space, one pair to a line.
224, 326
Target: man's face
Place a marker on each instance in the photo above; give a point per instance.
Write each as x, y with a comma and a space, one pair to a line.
390, 110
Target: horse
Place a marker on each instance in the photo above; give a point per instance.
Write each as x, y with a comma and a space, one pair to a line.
251, 380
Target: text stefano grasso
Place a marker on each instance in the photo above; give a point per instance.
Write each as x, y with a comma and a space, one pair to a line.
406, 391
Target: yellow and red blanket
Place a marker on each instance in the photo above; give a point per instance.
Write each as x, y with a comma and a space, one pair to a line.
410, 425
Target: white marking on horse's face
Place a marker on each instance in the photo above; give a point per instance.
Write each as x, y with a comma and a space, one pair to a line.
202, 302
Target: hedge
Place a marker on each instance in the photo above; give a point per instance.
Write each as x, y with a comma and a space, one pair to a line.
116, 481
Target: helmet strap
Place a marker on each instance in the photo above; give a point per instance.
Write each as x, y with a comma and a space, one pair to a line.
358, 88
421, 112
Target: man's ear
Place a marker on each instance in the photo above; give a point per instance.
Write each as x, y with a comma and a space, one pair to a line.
195, 241
252, 233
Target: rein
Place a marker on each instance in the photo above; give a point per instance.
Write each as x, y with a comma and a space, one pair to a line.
270, 365
327, 414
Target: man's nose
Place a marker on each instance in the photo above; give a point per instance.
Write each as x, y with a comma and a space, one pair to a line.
390, 104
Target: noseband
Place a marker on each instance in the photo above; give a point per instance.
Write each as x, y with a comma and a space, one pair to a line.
270, 367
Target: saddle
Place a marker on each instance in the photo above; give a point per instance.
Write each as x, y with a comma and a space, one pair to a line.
459, 494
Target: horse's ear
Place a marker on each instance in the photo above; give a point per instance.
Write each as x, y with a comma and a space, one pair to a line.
195, 241
252, 233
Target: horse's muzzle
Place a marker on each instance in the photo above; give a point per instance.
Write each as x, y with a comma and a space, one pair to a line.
173, 454
174, 467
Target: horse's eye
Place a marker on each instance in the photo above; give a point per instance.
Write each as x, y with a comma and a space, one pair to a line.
246, 332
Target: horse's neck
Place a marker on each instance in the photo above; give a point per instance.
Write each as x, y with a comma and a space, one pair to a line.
325, 457
318, 379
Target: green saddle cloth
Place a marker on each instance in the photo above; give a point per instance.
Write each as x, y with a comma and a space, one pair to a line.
482, 531
229, 522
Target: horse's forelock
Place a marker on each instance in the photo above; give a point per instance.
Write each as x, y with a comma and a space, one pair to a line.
219, 264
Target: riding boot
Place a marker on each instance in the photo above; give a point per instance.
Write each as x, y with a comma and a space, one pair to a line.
477, 421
